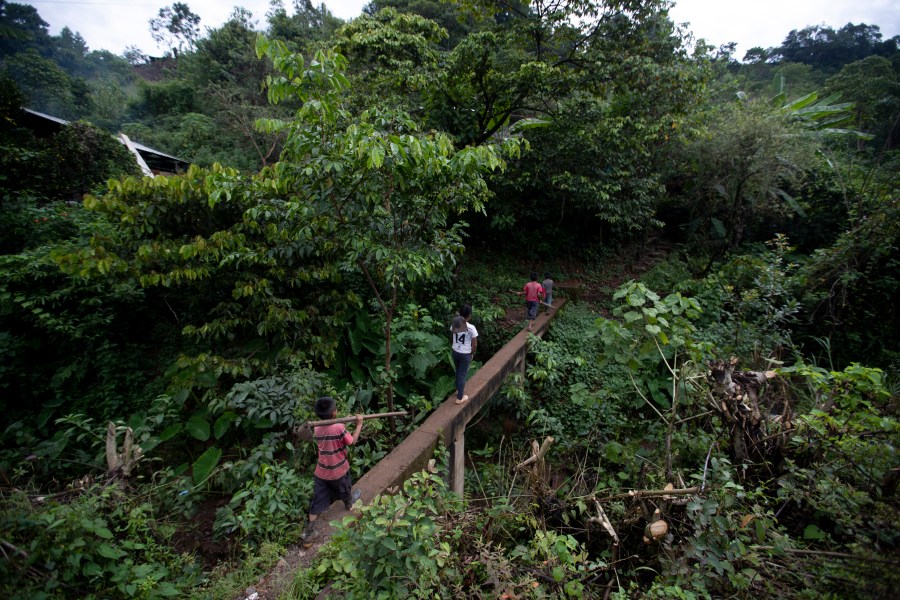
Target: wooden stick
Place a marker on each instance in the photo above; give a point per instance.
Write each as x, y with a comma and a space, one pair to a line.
650, 493
830, 554
537, 453
604, 520
351, 419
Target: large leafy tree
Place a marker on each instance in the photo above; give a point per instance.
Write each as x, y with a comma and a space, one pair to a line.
541, 51
176, 27
307, 25
21, 27
206, 112
226, 68
874, 88
451, 16
70, 51
592, 175
393, 57
613, 80
827, 49
378, 193
46, 86
256, 270
741, 170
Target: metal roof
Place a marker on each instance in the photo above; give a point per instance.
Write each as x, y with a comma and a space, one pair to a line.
45, 116
160, 161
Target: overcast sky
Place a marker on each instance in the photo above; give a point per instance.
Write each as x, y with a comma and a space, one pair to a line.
115, 24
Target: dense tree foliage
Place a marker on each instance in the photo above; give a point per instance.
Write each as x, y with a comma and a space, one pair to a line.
824, 48
352, 185
176, 27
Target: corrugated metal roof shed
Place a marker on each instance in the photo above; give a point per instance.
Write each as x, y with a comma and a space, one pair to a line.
152, 161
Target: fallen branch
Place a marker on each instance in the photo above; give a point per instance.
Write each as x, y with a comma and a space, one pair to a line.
537, 453
305, 431
604, 520
830, 554
652, 493
12, 548
686, 419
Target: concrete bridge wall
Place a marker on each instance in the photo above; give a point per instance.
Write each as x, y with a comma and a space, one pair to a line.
447, 423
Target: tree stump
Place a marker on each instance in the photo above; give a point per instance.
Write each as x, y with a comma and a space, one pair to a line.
757, 435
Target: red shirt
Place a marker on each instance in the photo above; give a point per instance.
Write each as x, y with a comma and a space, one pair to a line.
332, 441
533, 291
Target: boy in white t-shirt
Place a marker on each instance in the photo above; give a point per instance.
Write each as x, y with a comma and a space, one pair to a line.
464, 339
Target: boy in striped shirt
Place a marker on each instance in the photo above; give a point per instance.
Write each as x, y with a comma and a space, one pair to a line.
331, 480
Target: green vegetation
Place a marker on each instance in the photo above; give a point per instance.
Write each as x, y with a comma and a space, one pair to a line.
726, 234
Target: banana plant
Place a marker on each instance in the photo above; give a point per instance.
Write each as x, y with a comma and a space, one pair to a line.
826, 115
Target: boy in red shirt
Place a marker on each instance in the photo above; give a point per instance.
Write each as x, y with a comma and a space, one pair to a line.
534, 293
331, 480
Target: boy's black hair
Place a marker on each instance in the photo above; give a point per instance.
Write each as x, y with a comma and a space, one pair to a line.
466, 310
534, 275
547, 275
325, 407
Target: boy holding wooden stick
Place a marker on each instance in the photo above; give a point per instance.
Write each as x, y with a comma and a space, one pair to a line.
331, 480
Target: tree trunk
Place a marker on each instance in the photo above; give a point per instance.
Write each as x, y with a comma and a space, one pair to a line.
387, 360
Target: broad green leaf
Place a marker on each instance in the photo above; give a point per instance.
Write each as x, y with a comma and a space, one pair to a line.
222, 423
791, 202
204, 466
108, 551
198, 427
801, 102
812, 532
718, 227
389, 543
170, 431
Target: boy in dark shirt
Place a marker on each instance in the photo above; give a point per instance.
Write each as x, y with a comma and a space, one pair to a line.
548, 289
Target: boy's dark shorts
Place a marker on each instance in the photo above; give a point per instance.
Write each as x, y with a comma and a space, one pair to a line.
532, 307
326, 491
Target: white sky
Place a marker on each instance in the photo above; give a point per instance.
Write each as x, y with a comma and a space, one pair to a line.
766, 23
115, 24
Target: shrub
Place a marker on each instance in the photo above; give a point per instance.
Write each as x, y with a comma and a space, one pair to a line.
397, 549
94, 543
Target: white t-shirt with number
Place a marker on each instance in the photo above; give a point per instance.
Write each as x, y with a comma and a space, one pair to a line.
462, 341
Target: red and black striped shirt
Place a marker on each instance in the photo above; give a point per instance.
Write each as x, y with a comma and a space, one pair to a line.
332, 441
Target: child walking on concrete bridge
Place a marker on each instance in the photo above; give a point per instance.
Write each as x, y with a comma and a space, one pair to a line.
331, 480
534, 293
464, 342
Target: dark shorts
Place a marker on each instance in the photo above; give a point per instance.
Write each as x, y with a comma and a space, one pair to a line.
532, 310
326, 492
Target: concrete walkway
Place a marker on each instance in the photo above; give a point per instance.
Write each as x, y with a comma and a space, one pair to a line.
447, 423
448, 420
